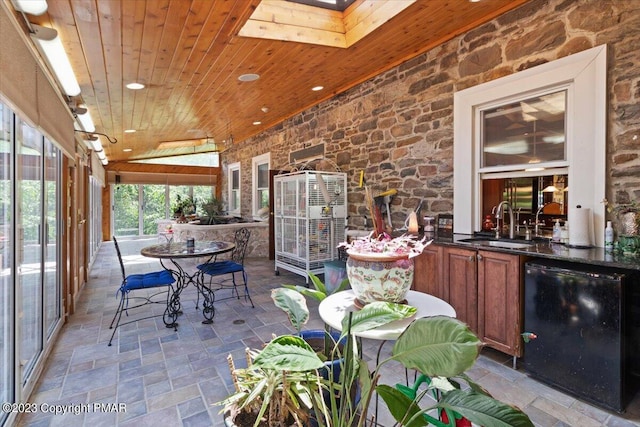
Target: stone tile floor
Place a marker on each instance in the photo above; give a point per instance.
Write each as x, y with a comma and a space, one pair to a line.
168, 378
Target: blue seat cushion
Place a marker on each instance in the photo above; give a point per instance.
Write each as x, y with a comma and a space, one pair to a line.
220, 267
147, 280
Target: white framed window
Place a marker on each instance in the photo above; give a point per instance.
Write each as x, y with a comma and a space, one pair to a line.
583, 77
234, 188
260, 185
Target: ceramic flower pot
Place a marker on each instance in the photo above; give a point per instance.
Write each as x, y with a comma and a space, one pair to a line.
379, 277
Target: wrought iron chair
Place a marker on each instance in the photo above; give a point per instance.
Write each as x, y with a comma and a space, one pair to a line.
143, 282
218, 269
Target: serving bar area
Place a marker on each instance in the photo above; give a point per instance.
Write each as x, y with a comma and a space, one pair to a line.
569, 316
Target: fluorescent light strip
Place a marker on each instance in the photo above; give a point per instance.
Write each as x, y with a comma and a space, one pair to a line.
32, 7
51, 47
86, 122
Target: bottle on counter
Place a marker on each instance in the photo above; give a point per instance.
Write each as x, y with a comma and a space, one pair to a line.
557, 231
608, 236
564, 233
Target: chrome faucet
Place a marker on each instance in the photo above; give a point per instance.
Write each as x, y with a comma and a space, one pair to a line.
500, 214
540, 209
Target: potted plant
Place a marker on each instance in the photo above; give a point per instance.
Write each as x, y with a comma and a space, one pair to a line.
213, 208
380, 267
440, 348
183, 206
291, 370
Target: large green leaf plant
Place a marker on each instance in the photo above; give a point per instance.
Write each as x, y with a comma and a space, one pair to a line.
287, 373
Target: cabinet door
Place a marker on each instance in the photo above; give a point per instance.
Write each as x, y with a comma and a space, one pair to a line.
460, 284
427, 275
499, 301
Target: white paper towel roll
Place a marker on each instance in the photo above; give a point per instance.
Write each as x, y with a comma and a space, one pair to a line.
580, 227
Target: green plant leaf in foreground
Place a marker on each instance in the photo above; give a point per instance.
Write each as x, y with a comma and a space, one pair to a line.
401, 407
288, 353
377, 314
437, 346
484, 410
311, 293
294, 304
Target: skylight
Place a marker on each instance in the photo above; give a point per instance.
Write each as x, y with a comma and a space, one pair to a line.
339, 5
199, 159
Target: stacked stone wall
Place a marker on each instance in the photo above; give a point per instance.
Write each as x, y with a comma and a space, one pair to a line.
398, 126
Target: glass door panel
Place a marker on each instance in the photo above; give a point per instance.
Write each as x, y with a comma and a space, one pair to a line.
153, 207
28, 245
51, 275
126, 210
6, 277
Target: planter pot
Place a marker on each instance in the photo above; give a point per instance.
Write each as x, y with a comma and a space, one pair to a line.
379, 277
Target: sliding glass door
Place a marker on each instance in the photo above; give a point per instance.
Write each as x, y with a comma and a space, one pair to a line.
7, 366
29, 197
30, 242
51, 239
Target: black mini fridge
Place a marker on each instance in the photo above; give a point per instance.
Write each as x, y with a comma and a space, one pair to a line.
585, 321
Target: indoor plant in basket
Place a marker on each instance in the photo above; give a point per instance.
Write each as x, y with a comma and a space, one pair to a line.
380, 267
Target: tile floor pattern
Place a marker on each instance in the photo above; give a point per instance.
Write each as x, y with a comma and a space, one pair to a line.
169, 378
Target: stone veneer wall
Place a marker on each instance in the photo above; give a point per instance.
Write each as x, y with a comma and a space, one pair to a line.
398, 126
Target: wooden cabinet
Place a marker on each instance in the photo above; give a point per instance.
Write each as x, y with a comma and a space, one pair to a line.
484, 287
500, 308
459, 279
427, 275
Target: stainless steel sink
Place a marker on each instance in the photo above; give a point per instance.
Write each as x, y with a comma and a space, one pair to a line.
498, 243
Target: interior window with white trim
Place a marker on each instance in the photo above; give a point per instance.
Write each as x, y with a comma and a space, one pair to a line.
234, 188
260, 186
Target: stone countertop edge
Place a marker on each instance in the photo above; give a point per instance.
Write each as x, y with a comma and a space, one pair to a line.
555, 251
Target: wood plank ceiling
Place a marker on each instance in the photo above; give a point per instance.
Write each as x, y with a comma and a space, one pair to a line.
189, 54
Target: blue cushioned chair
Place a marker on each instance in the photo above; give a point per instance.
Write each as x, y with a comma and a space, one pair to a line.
211, 275
143, 282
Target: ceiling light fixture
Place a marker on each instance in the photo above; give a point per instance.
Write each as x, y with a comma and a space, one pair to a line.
51, 47
317, 88
32, 7
248, 77
86, 122
127, 150
129, 131
135, 86
550, 189
256, 123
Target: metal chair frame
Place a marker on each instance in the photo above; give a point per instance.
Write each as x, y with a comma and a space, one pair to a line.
217, 269
168, 317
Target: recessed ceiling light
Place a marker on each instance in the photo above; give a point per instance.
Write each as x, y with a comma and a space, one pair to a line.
129, 131
135, 86
256, 123
248, 77
126, 150
317, 88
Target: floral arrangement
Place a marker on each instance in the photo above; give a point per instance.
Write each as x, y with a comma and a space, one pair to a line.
406, 244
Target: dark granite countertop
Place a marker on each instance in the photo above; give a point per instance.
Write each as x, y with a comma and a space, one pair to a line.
544, 248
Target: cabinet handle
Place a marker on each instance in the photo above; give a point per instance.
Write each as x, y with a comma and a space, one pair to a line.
480, 257
472, 258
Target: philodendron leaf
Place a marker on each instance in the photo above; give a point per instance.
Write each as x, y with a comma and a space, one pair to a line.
311, 293
294, 304
483, 410
401, 407
377, 314
288, 353
437, 346
317, 283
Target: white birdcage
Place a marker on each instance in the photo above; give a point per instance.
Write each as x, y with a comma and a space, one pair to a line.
310, 215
